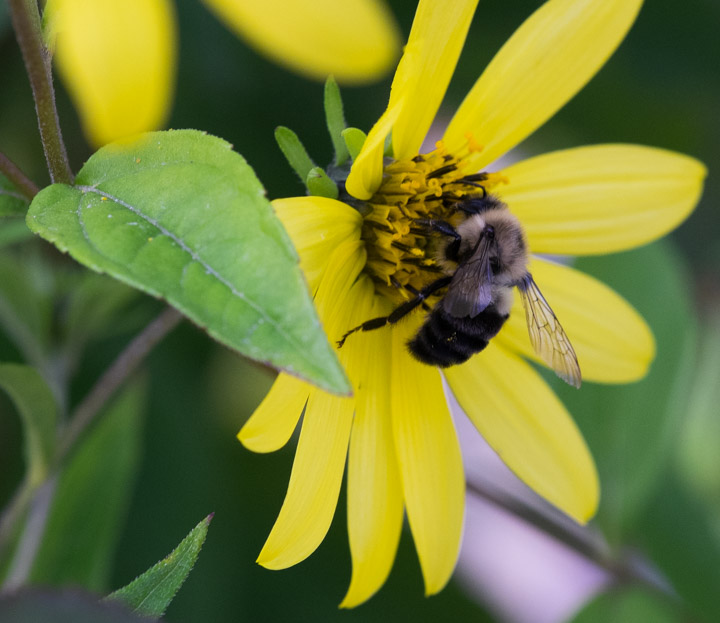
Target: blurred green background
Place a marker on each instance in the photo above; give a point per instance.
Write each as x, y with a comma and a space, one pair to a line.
173, 456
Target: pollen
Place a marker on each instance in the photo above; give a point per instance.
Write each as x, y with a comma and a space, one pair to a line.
401, 251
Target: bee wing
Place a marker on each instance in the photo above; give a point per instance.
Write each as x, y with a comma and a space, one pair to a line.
469, 292
546, 334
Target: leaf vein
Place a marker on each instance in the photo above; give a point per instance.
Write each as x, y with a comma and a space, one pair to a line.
194, 256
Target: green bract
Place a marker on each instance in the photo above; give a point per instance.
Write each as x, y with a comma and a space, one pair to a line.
181, 216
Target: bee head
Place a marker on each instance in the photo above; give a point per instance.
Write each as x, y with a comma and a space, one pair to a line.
508, 249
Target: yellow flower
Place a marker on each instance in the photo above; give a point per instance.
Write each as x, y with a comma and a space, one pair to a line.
118, 58
118, 62
355, 40
396, 431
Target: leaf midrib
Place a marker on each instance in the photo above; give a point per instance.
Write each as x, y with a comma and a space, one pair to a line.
194, 255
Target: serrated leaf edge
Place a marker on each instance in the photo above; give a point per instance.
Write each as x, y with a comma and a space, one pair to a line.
193, 554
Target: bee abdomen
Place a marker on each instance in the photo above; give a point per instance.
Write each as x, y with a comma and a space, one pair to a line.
445, 340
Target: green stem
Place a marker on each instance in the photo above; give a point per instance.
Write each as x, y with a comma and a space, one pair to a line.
28, 30
21, 181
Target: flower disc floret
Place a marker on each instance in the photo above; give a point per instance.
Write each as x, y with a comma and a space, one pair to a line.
401, 255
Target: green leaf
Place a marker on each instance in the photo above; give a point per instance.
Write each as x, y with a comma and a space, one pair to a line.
354, 140
67, 606
631, 429
320, 185
181, 216
294, 151
92, 497
12, 203
151, 593
631, 605
36, 406
335, 119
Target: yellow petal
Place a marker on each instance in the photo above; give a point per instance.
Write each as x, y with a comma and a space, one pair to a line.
273, 422
532, 432
312, 494
317, 471
612, 341
118, 62
355, 40
549, 58
436, 39
374, 492
429, 459
602, 198
317, 226
367, 170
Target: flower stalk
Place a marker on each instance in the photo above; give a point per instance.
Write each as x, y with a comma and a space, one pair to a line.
624, 567
28, 30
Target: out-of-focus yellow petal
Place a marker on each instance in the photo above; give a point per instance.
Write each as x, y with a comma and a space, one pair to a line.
612, 341
317, 471
118, 62
532, 432
374, 492
549, 58
367, 170
316, 226
429, 459
436, 39
273, 422
354, 40
602, 198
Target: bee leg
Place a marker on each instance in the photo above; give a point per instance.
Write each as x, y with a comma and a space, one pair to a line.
446, 229
401, 311
410, 289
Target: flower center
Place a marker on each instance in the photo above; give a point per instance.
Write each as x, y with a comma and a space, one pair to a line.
402, 250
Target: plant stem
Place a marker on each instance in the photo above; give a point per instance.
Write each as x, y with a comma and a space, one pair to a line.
28, 30
125, 364
623, 568
21, 181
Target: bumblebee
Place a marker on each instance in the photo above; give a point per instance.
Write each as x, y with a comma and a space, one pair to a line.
482, 260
